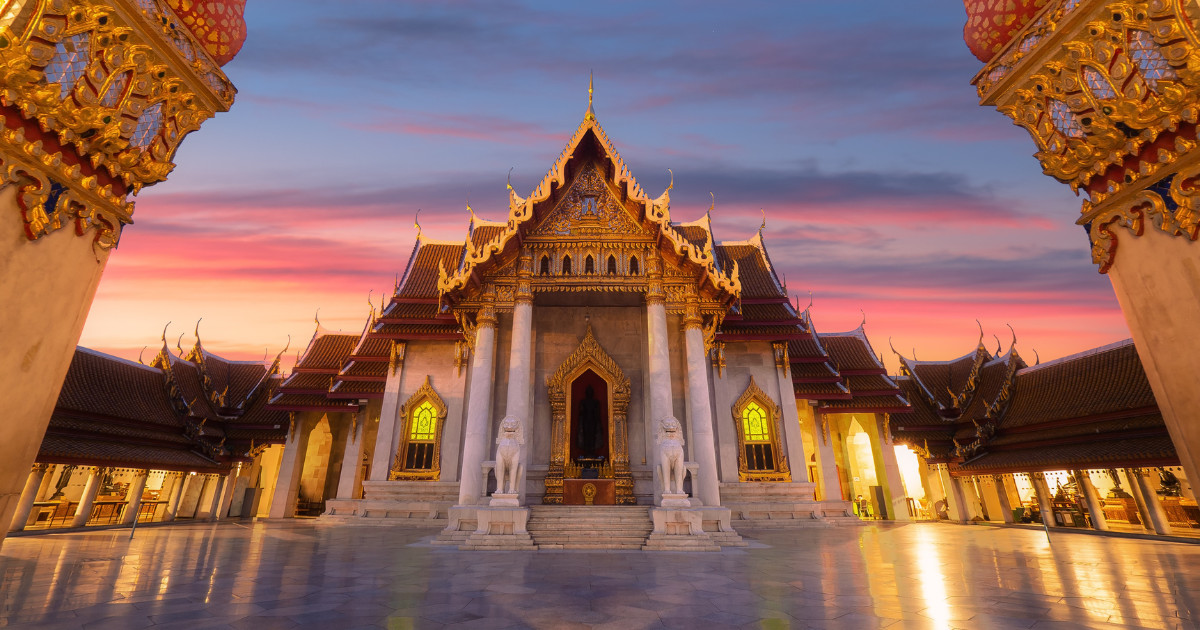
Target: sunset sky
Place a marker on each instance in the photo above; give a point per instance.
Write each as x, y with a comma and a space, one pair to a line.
854, 125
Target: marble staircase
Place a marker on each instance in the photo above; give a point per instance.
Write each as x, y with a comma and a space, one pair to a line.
589, 527
395, 502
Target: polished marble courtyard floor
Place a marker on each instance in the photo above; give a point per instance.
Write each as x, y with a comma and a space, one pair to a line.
268, 575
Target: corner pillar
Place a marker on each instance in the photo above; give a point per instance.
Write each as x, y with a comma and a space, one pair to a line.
84, 511
133, 500
291, 468
996, 498
28, 495
386, 439
227, 492
831, 485
885, 460
1092, 499
704, 444
479, 403
352, 456
792, 439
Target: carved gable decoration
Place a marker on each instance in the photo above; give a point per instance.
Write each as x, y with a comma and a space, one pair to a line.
589, 207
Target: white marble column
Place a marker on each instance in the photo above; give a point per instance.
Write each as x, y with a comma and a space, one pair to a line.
479, 405
1154, 514
792, 440
885, 460
291, 468
1092, 499
133, 500
956, 501
386, 438
704, 445
659, 363
227, 491
28, 495
84, 511
352, 456
831, 485
176, 496
520, 364
999, 498
1045, 501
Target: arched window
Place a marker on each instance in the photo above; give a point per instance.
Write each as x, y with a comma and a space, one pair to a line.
612, 265
418, 456
760, 456
589, 264
566, 269
633, 266
545, 267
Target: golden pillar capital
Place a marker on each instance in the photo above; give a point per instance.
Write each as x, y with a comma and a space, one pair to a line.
524, 292
396, 356
98, 96
691, 314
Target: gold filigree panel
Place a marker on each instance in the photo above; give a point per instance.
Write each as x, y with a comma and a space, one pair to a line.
589, 208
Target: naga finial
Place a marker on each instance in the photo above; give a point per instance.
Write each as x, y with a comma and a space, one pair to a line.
980, 332
864, 319
317, 317
164, 334
764, 222
1038, 358
712, 204
417, 223
998, 347
1014, 334
179, 344
197, 332
140, 355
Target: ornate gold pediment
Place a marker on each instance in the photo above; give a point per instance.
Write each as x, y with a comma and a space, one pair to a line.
589, 208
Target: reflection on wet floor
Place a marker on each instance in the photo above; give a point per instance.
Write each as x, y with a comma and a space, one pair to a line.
305, 574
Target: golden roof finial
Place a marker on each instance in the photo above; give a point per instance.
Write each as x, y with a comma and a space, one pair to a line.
713, 204
764, 222
417, 223
591, 113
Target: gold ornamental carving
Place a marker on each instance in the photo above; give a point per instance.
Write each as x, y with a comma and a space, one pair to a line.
399, 469
1108, 92
755, 394
589, 356
396, 357
95, 98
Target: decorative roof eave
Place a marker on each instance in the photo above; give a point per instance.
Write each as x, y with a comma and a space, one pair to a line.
521, 212
864, 409
740, 336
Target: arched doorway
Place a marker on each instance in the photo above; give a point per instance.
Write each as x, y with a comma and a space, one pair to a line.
595, 446
589, 420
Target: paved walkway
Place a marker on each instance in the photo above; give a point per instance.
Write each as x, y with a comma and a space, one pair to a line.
289, 574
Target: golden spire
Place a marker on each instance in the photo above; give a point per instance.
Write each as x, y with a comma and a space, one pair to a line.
591, 113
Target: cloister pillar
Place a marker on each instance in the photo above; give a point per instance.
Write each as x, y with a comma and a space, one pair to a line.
84, 511
956, 501
704, 445
133, 500
479, 403
995, 485
1092, 499
386, 439
659, 363
227, 492
1045, 502
28, 495
176, 496
1154, 515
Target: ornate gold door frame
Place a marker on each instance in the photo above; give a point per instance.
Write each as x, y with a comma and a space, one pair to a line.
589, 356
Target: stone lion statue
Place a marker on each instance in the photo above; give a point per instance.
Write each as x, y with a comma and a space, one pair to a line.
509, 442
669, 441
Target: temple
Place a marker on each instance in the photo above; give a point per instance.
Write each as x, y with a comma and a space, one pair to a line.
589, 350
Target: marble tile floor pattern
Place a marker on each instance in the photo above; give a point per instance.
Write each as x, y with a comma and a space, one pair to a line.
303, 574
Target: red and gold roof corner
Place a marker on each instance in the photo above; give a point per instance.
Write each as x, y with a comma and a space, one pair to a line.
991, 24
96, 97
218, 24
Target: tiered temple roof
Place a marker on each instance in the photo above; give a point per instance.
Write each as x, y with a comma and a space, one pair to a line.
201, 413
996, 415
338, 369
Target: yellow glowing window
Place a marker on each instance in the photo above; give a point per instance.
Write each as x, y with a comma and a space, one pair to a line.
423, 423
754, 424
